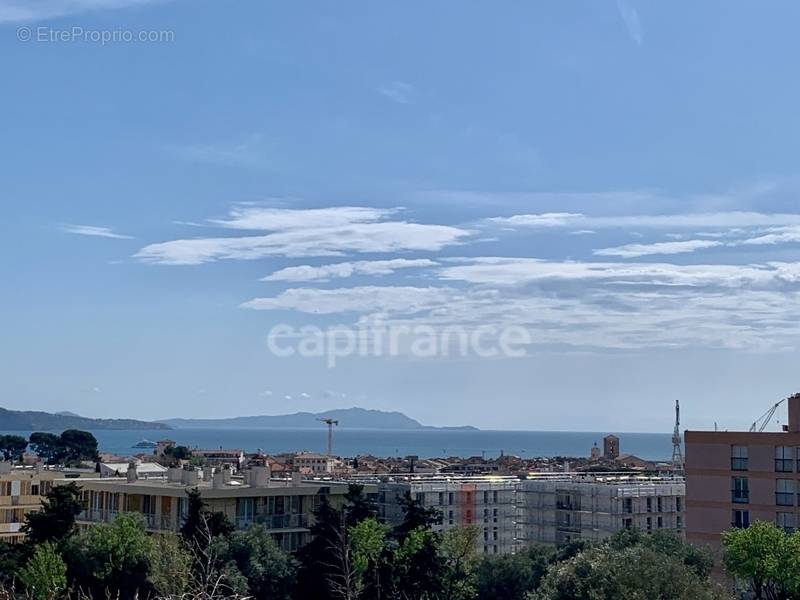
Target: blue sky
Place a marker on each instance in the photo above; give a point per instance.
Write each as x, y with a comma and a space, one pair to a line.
620, 178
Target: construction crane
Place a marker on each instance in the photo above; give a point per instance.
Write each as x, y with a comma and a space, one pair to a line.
677, 452
761, 423
330, 423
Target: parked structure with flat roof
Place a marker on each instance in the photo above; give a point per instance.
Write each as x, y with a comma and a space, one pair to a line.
285, 507
557, 509
734, 478
21, 492
486, 502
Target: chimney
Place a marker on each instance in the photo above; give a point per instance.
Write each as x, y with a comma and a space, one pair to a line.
793, 403
189, 476
259, 476
297, 478
208, 473
132, 474
174, 474
226, 473
217, 481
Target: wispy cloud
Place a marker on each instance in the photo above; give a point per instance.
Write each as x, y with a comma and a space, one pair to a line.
732, 219
14, 11
299, 233
93, 230
633, 25
347, 269
399, 91
637, 250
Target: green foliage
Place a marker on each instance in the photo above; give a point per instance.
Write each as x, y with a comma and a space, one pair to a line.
170, 566
270, 572
512, 576
458, 549
416, 516
13, 447
71, 447
176, 453
56, 520
637, 572
315, 569
200, 523
113, 559
357, 506
45, 574
765, 558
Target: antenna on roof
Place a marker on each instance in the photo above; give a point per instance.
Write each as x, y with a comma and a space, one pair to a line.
677, 451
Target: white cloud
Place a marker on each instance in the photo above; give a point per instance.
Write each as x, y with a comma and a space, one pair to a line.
266, 393
633, 25
314, 232
637, 250
13, 11
393, 299
731, 219
785, 235
95, 231
264, 218
347, 269
304, 395
541, 220
519, 271
399, 91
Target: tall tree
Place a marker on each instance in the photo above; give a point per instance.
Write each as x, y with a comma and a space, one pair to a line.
512, 576
765, 559
270, 572
45, 574
415, 516
78, 446
314, 572
56, 519
357, 506
13, 447
47, 446
198, 518
113, 560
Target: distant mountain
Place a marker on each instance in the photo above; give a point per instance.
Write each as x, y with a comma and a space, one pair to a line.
29, 420
352, 418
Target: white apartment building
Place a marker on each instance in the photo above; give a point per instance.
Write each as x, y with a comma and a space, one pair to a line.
487, 502
556, 509
317, 464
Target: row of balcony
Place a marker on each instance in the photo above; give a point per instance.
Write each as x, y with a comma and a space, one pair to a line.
165, 522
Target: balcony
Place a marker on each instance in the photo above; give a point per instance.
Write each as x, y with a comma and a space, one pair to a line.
298, 521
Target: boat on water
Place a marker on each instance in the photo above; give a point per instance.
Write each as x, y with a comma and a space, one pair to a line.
145, 444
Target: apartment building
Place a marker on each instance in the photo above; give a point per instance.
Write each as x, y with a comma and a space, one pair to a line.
285, 507
487, 502
21, 492
555, 509
734, 478
310, 462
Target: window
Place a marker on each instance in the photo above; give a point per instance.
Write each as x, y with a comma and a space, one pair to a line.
738, 458
627, 523
679, 504
784, 492
660, 522
740, 490
627, 505
649, 505
679, 521
740, 519
785, 520
649, 523
783, 459
660, 504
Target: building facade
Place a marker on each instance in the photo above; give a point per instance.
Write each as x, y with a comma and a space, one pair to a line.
557, 509
22, 490
485, 502
736, 478
285, 507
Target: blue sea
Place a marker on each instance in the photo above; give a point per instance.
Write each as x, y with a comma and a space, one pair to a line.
424, 443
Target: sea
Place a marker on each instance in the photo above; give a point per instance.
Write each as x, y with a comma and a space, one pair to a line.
424, 443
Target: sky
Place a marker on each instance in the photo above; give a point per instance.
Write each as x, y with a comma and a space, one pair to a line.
617, 178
